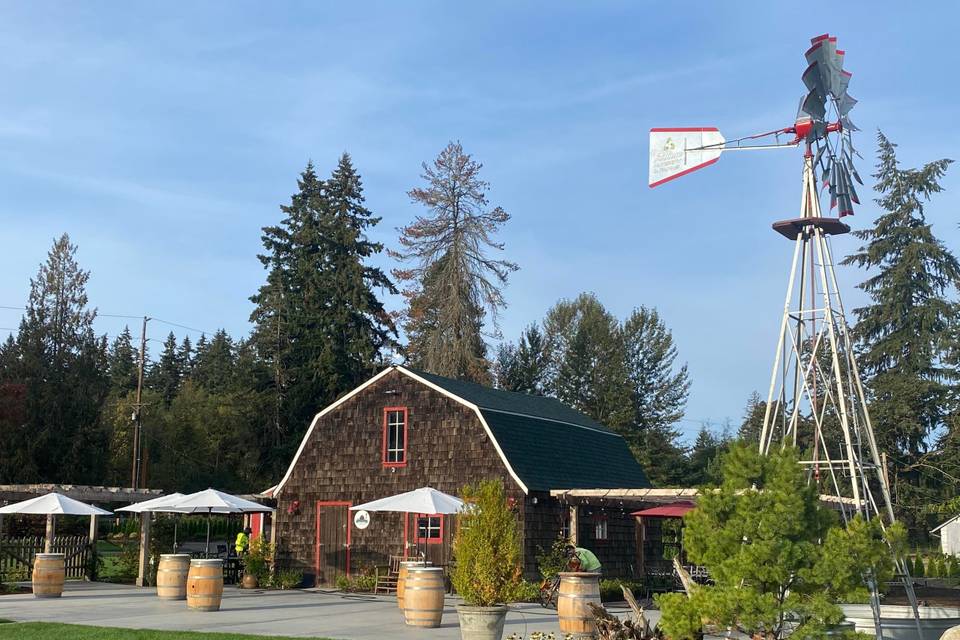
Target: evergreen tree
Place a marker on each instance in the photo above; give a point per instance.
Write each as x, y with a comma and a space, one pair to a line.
453, 284
320, 327
122, 365
659, 390
704, 458
214, 366
778, 563
186, 356
167, 374
587, 368
908, 331
522, 367
62, 366
360, 329
752, 425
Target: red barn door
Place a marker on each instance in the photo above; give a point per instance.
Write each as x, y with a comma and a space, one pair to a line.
333, 541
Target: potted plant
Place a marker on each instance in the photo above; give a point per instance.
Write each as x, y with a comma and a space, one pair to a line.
256, 564
778, 559
487, 571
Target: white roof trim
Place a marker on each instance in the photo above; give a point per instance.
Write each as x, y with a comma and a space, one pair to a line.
410, 374
328, 409
476, 410
953, 519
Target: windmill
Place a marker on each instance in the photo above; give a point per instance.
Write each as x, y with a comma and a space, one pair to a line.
816, 398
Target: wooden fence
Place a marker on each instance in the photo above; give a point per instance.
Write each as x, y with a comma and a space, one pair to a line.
17, 554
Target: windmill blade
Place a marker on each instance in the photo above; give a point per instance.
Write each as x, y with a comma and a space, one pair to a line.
845, 103
677, 152
814, 106
813, 80
820, 150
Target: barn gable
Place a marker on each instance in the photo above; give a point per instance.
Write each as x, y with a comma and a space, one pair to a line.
543, 443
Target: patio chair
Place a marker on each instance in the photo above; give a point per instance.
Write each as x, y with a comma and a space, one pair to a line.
387, 576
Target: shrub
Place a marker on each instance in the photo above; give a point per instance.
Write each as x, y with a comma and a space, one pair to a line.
919, 570
357, 584
257, 561
610, 590
553, 560
526, 591
486, 547
286, 579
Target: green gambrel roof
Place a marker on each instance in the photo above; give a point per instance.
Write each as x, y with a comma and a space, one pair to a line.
548, 444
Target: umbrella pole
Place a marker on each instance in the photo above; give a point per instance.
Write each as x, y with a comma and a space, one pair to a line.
176, 521
206, 552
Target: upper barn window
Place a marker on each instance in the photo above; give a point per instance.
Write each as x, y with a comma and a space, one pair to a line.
394, 436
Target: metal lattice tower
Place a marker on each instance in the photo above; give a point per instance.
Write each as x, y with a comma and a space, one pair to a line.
816, 399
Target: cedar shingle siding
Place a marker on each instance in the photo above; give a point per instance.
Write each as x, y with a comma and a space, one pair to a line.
447, 447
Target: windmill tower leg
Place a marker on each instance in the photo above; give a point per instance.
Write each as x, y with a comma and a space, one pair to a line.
816, 398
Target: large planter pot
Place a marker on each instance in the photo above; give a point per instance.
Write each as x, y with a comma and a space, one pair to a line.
249, 581
898, 621
481, 623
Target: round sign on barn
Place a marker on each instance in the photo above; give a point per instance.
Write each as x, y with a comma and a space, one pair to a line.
361, 519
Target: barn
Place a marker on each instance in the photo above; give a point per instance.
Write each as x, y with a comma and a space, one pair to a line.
404, 429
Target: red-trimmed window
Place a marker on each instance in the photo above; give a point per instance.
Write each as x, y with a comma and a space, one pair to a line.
429, 528
395, 436
600, 527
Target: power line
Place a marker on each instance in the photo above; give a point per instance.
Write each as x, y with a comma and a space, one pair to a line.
182, 326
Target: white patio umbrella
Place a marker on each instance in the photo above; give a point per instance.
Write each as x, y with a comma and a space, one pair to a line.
53, 504
425, 500
211, 501
158, 505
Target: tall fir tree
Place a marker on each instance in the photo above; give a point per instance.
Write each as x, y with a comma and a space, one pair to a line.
122, 359
908, 331
63, 369
320, 326
167, 374
752, 424
585, 352
453, 284
522, 367
659, 390
360, 330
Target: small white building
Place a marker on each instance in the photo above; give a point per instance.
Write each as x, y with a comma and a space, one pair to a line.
949, 533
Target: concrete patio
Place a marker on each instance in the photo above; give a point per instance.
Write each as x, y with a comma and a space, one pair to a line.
306, 613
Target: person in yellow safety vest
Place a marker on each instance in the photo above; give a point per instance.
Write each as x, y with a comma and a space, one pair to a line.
243, 541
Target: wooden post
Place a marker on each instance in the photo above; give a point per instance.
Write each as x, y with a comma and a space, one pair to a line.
144, 549
574, 526
51, 533
92, 535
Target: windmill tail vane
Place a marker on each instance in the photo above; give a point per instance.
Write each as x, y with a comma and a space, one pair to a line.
822, 125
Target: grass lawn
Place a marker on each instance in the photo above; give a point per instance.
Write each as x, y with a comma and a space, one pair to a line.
51, 631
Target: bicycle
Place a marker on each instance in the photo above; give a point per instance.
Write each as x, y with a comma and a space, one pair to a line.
549, 592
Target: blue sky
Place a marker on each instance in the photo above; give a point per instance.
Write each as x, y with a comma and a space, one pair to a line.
163, 136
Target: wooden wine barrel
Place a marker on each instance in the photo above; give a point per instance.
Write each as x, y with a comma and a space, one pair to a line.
205, 585
577, 591
402, 577
423, 597
172, 576
48, 574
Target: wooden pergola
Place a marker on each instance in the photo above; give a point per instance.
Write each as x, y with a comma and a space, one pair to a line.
85, 493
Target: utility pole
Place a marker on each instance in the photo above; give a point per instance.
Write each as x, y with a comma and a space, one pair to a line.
136, 476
